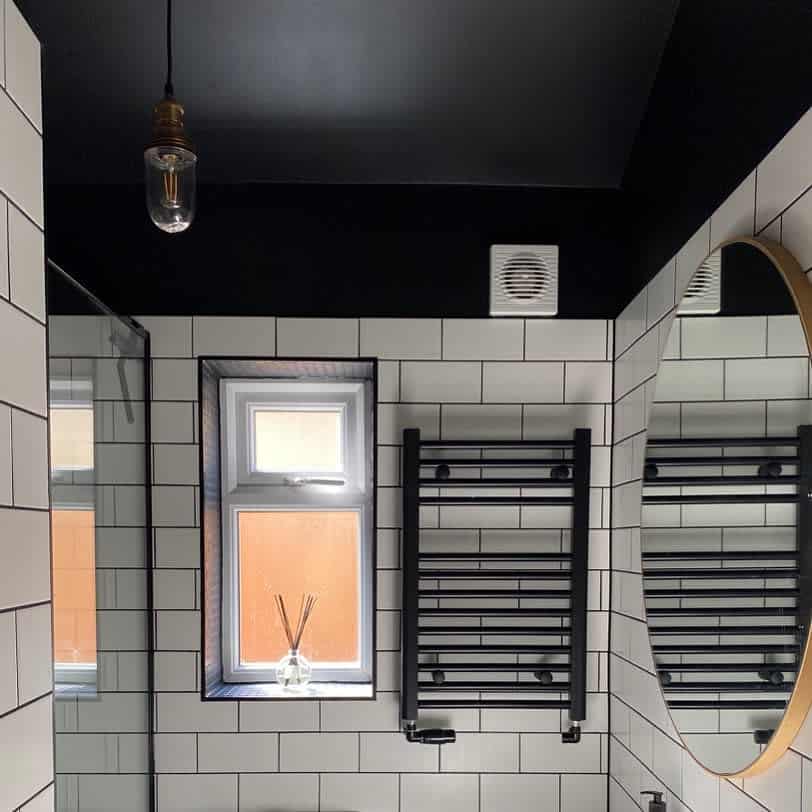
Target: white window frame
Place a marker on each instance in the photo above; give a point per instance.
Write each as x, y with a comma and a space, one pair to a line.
243, 488
68, 674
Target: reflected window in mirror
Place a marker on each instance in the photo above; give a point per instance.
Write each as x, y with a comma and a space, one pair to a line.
73, 531
723, 531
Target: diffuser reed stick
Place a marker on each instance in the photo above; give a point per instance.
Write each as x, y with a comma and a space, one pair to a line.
305, 610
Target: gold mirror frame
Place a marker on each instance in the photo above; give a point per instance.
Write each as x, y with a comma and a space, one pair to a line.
800, 700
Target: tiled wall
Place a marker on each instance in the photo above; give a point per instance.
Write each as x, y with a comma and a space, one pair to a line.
645, 752
453, 379
26, 745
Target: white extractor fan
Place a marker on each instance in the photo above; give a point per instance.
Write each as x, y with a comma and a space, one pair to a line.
524, 280
703, 296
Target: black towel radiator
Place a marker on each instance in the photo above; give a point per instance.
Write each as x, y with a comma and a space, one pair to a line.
445, 473
777, 582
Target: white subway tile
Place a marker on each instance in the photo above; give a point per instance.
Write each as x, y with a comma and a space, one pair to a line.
237, 752
483, 339
723, 419
545, 753
441, 381
8, 662
175, 464
175, 753
23, 67
174, 589
691, 256
173, 422
131, 793
785, 336
660, 295
566, 340
121, 631
25, 557
173, 506
186, 713
520, 793
796, 230
524, 382
631, 323
177, 630
26, 751
380, 714
233, 335
170, 336
26, 255
294, 716
86, 753
588, 382
390, 752
736, 216
123, 712
175, 671
2, 47
202, 793
482, 753
174, 379
22, 372
780, 787
290, 791
118, 464
177, 547
34, 652
732, 799
418, 339
361, 793
691, 380
439, 793
5, 454
21, 161
558, 422
581, 792
712, 337
388, 381
44, 802
318, 752
463, 422
768, 378
4, 269
779, 178
317, 338
393, 418
700, 789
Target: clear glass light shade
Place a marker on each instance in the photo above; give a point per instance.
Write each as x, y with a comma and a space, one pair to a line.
170, 187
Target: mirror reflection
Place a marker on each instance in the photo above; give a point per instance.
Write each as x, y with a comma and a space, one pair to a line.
728, 451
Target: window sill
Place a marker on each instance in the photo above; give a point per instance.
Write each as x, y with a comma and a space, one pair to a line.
72, 690
270, 690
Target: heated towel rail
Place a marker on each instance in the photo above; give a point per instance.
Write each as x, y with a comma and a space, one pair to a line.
728, 621
517, 619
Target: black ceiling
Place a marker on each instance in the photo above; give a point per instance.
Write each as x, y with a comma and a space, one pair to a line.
485, 109
518, 92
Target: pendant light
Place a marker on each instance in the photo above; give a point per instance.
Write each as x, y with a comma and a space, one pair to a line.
169, 159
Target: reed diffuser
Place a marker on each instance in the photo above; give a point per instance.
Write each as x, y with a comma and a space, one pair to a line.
293, 672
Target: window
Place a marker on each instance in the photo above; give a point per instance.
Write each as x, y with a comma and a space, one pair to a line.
297, 516
73, 533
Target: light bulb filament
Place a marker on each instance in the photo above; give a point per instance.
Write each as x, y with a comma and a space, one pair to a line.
169, 178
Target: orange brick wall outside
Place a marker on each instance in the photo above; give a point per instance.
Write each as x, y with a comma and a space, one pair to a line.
293, 552
74, 585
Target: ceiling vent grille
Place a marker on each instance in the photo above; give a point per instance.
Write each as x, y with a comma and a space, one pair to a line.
524, 280
703, 295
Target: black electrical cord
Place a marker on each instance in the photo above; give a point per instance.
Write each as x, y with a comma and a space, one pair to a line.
169, 90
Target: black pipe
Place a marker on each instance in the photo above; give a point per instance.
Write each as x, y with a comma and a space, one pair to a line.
492, 612
670, 481
495, 500
536, 594
723, 611
495, 482
727, 555
727, 704
495, 687
519, 704
743, 668
722, 630
518, 631
497, 444
732, 648
729, 687
495, 556
719, 461
496, 667
711, 592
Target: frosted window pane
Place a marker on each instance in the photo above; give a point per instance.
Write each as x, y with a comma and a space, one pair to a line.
71, 439
294, 552
297, 440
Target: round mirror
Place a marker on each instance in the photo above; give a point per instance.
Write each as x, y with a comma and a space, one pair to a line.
726, 515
